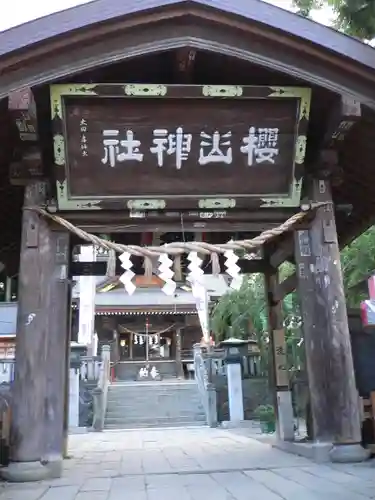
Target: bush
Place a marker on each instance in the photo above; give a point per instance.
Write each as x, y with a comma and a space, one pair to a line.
265, 413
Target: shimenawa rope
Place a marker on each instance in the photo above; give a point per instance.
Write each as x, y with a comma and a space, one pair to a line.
176, 249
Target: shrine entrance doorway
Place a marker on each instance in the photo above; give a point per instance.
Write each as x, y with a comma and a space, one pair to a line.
145, 131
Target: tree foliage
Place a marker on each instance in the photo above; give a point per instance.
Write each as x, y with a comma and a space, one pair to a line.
358, 262
304, 7
243, 314
354, 17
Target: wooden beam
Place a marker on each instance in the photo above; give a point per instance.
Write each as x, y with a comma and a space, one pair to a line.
118, 221
118, 216
284, 288
99, 268
29, 168
345, 113
173, 227
284, 251
22, 109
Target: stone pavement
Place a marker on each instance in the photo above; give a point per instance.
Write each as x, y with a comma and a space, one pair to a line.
192, 464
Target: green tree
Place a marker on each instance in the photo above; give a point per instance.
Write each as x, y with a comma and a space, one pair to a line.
243, 314
304, 7
354, 17
358, 262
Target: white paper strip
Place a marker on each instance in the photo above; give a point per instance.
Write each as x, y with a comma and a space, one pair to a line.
166, 274
126, 278
195, 270
232, 269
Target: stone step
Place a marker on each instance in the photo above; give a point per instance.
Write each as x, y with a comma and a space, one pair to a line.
131, 403
137, 405
157, 383
170, 413
154, 425
151, 419
120, 406
144, 390
123, 391
128, 405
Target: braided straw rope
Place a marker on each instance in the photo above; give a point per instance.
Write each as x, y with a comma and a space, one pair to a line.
176, 249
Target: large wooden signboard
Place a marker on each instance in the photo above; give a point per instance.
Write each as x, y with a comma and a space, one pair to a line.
156, 146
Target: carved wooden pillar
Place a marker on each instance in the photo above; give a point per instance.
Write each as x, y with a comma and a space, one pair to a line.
28, 439
333, 393
58, 314
278, 371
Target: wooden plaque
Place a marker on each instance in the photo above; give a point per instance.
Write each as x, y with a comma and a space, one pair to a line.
143, 147
280, 359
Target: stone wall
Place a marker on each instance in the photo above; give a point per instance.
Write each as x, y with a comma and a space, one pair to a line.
255, 392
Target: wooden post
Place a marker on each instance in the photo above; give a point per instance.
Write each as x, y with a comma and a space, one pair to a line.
333, 393
58, 313
278, 372
180, 371
8, 289
33, 323
67, 369
131, 340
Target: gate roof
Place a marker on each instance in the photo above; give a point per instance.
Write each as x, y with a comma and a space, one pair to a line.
109, 30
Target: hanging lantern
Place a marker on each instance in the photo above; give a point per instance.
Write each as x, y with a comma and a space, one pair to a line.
135, 339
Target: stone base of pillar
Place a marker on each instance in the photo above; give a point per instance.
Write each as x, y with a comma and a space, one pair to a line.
348, 453
24, 472
179, 370
285, 426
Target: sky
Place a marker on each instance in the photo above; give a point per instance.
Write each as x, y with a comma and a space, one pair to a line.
20, 11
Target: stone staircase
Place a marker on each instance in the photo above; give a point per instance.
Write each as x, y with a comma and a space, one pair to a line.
154, 404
